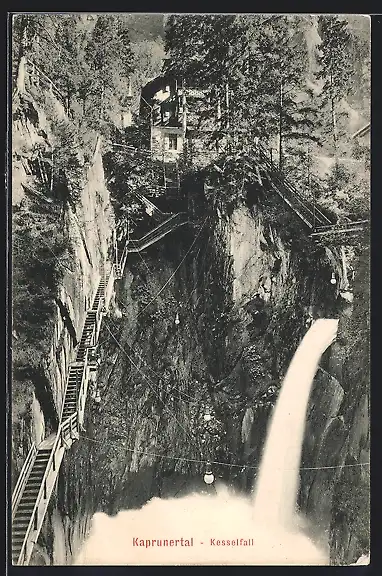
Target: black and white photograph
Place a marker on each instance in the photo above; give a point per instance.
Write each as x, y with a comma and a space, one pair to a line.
189, 199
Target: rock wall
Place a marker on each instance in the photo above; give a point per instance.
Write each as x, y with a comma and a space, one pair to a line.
89, 231
88, 227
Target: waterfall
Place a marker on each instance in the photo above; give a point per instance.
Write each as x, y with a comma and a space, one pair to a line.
278, 481
265, 527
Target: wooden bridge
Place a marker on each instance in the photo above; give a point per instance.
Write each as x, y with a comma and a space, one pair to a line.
159, 232
320, 225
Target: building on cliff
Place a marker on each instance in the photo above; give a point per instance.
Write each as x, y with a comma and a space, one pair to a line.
173, 111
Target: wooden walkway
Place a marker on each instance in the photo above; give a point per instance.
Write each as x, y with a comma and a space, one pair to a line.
39, 474
319, 225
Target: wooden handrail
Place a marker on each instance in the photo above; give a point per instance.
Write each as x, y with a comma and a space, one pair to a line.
23, 477
158, 214
61, 96
285, 185
75, 365
66, 432
344, 225
42, 498
68, 425
98, 320
109, 286
96, 149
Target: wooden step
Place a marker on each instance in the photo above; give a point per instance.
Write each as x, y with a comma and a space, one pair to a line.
39, 464
24, 505
20, 527
37, 476
33, 482
24, 516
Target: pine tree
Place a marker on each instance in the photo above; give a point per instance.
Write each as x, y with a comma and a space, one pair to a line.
253, 70
110, 59
335, 66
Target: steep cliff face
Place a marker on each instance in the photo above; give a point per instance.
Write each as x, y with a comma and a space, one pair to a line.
89, 229
65, 288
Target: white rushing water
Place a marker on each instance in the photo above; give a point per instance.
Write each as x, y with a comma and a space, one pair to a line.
277, 483
229, 529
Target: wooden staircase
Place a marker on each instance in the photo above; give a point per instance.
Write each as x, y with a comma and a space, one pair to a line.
157, 214
320, 225
74, 382
155, 235
310, 214
27, 502
39, 474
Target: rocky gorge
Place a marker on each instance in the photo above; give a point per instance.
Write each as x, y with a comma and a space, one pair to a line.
204, 322
244, 295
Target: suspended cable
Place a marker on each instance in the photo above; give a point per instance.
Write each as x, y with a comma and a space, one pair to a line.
242, 466
173, 274
148, 365
152, 370
195, 287
148, 382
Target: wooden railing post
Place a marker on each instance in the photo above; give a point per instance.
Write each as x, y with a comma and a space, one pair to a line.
45, 490
35, 519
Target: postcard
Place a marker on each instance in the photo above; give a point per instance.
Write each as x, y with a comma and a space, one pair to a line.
190, 260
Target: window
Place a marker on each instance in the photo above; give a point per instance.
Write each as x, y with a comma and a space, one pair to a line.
172, 142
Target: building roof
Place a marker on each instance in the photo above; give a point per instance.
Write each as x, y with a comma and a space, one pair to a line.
148, 92
154, 86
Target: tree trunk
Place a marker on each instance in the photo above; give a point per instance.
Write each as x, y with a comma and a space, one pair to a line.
184, 107
281, 127
218, 122
52, 172
334, 119
334, 125
227, 123
227, 105
101, 101
23, 40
